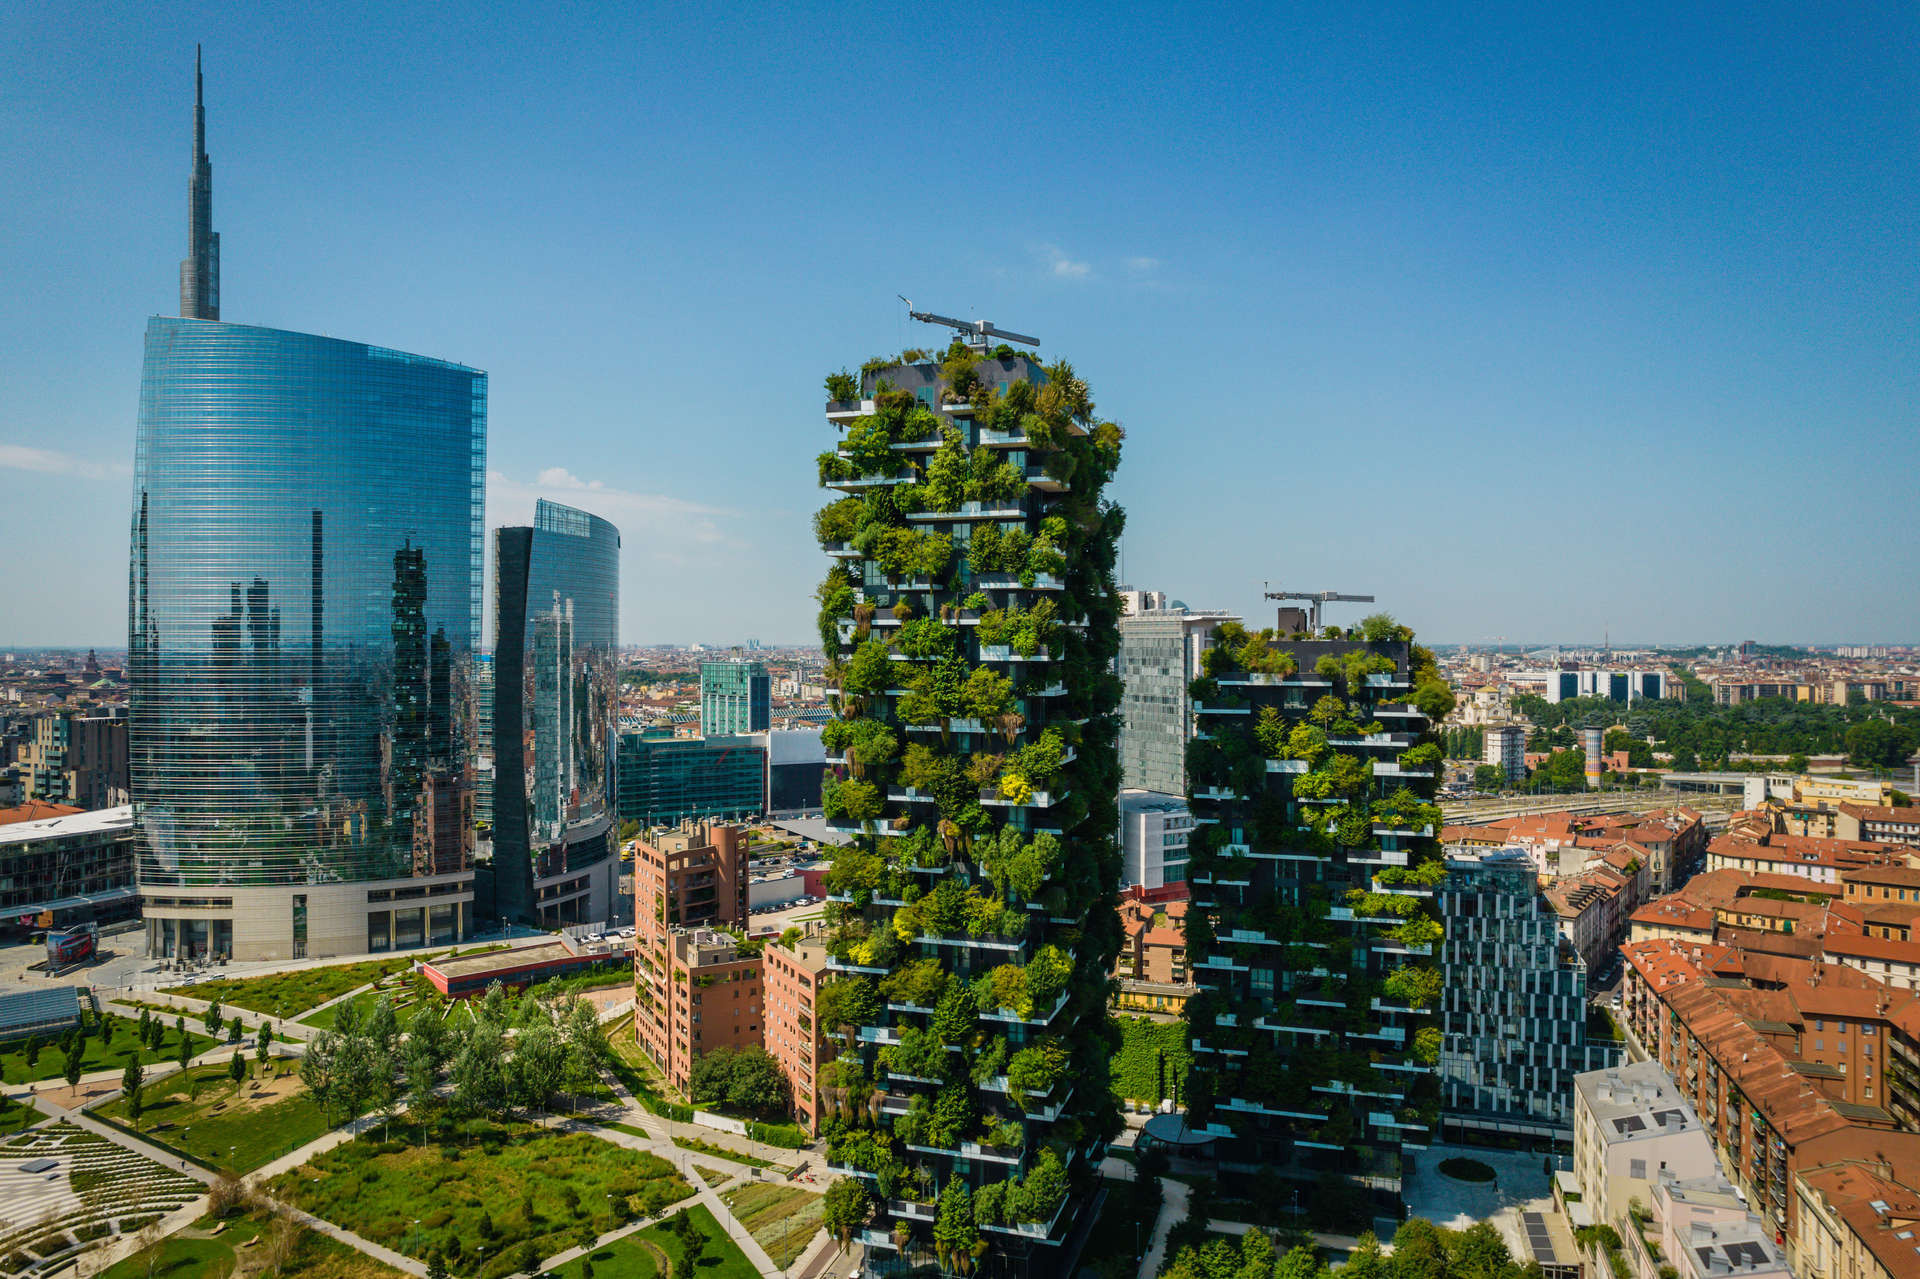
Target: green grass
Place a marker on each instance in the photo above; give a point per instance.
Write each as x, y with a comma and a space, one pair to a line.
627, 1258
187, 1257
714, 1176
439, 1182
781, 1219
219, 1127
290, 994
52, 1063
415, 991
720, 1152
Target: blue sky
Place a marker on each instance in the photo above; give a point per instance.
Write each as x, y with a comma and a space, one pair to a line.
1535, 322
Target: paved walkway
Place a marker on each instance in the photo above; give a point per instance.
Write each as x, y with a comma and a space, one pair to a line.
1173, 1211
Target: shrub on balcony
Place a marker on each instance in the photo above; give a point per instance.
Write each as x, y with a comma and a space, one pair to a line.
919, 983
925, 637
834, 467
956, 1240
1035, 1069
868, 671
1416, 986
851, 800
1418, 931
843, 387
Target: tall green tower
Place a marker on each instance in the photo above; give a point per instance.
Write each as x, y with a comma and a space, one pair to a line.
1312, 931
970, 623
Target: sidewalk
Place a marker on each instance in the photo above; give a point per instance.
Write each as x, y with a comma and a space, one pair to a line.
1173, 1211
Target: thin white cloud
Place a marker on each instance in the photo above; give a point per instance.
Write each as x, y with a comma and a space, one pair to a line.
1062, 267
657, 522
1140, 265
25, 457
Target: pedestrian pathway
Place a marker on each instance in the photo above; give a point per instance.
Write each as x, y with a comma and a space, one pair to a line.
1173, 1211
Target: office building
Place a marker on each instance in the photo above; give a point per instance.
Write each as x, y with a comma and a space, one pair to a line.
796, 765
665, 780
61, 866
1624, 686
1159, 656
971, 622
735, 697
1154, 829
1311, 781
304, 604
556, 692
1513, 1010
1506, 748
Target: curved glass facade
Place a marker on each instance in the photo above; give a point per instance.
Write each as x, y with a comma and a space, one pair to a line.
556, 691
303, 605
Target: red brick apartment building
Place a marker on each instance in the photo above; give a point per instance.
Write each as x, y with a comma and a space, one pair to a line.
1791, 1064
697, 986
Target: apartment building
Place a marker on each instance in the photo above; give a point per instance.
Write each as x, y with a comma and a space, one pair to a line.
1594, 906
690, 877
1789, 1065
1567, 843
791, 976
1151, 968
1630, 1123
1505, 746
1159, 656
1856, 1222
713, 1000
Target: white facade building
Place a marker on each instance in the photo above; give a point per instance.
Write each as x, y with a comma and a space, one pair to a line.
1154, 829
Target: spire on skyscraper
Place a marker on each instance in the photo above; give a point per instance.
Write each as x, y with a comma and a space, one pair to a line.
200, 269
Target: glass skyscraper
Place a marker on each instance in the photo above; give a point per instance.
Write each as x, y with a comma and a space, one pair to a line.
735, 697
303, 605
556, 691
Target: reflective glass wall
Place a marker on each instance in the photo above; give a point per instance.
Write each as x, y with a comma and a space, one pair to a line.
556, 632
303, 605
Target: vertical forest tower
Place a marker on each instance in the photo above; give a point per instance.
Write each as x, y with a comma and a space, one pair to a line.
970, 624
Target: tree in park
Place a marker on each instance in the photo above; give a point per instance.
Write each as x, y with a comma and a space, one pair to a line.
146, 1024
186, 1052
33, 1050
235, 1031
436, 1268
130, 1081
106, 1031
212, 1021
73, 1066
179, 1027
237, 1070
845, 1208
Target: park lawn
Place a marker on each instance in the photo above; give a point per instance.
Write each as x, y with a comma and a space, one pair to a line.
438, 1185
415, 991
189, 1257
781, 1219
628, 1258
290, 994
235, 1131
52, 1063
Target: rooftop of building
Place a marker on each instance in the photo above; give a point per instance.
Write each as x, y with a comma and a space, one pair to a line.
1150, 801
1884, 1214
1635, 1102
64, 822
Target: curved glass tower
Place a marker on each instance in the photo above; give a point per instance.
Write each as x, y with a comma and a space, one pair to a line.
304, 600
556, 691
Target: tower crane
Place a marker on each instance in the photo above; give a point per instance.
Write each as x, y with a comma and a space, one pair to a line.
978, 331
1315, 599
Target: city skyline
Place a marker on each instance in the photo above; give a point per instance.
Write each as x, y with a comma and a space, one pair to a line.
1521, 284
